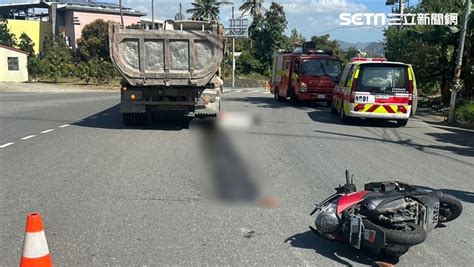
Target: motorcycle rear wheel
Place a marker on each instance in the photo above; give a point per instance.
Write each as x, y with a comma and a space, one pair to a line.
413, 234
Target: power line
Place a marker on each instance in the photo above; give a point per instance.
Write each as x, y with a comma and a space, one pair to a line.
347, 27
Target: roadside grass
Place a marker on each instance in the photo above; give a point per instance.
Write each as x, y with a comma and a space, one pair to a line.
464, 113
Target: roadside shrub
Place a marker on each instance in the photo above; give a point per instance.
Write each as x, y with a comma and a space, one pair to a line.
36, 68
58, 61
96, 70
246, 63
464, 112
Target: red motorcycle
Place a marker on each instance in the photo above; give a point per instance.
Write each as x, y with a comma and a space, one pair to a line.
386, 217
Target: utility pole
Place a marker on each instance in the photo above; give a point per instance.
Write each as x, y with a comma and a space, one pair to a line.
153, 14
401, 7
233, 52
121, 13
457, 72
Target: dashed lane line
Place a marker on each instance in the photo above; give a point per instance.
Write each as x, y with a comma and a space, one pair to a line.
28, 137
31, 136
7, 144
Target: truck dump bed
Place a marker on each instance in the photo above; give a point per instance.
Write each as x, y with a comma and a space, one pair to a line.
184, 53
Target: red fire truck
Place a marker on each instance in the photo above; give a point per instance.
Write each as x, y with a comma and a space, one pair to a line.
305, 74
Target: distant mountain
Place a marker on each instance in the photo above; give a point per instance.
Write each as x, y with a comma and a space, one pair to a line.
374, 48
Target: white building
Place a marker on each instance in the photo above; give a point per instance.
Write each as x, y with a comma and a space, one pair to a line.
13, 64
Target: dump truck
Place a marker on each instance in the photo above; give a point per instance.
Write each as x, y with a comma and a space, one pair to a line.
175, 68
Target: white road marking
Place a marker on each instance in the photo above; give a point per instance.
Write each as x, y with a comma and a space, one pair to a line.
47, 131
65, 125
5, 145
28, 137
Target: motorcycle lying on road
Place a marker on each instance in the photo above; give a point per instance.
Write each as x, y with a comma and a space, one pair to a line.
386, 217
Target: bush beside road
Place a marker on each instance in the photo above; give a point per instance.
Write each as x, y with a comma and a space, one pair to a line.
464, 114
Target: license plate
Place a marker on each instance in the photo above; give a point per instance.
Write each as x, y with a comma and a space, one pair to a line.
364, 99
320, 96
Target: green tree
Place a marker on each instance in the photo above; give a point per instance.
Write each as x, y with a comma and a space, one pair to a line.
295, 39
253, 7
36, 67
246, 64
323, 42
58, 61
6, 38
208, 9
26, 44
350, 53
93, 41
268, 34
437, 45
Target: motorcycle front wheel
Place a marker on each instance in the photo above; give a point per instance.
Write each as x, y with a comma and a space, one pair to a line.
449, 208
411, 234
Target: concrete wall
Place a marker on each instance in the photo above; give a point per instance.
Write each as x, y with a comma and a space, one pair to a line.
20, 75
85, 18
36, 30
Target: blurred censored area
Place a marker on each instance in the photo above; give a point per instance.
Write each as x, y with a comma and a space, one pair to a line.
227, 166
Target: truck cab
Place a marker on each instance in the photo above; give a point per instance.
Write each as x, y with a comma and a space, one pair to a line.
305, 75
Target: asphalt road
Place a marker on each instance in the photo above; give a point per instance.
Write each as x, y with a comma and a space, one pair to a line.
111, 195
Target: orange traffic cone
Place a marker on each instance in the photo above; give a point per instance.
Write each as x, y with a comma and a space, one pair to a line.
35, 247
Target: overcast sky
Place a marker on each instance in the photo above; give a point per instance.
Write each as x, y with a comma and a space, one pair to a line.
309, 17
